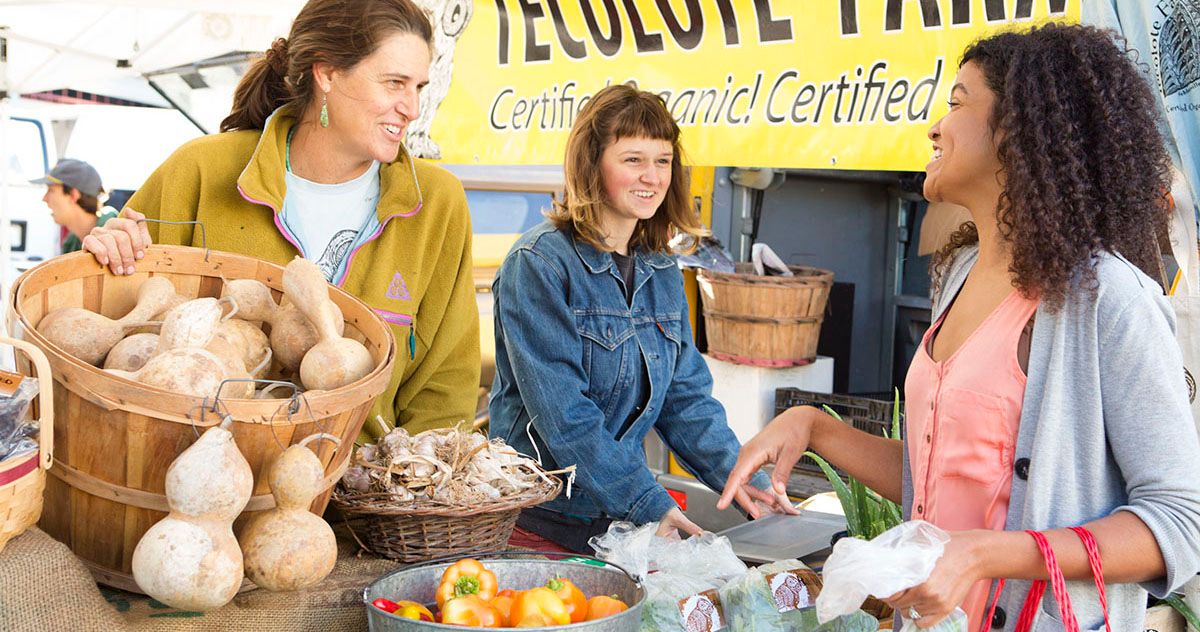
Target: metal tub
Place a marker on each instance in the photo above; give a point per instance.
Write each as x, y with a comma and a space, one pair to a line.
519, 571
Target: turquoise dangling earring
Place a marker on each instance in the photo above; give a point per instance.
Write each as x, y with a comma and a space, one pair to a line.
325, 110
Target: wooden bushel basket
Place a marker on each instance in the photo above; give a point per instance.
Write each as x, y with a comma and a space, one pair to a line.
116, 438
770, 321
23, 477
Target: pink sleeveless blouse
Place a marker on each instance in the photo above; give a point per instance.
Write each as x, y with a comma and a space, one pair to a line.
963, 414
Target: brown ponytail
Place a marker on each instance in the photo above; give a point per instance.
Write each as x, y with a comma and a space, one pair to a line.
261, 91
337, 32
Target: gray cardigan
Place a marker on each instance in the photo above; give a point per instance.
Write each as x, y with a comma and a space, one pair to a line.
1105, 427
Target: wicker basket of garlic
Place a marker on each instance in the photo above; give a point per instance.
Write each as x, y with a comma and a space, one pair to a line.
438, 493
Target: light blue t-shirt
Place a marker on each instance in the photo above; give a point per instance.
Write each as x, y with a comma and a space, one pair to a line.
329, 220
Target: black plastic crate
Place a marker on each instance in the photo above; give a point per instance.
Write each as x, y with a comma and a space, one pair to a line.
869, 412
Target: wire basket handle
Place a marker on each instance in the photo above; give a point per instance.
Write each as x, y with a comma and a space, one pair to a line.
584, 558
203, 233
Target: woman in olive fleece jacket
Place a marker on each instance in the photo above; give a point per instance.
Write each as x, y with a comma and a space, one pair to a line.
329, 105
415, 271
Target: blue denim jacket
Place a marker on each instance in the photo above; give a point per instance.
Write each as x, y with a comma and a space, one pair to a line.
570, 352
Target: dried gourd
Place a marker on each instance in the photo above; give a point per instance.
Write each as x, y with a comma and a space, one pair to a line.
132, 353
292, 335
334, 361
188, 370
289, 547
175, 300
250, 341
190, 324
190, 560
89, 336
253, 299
234, 369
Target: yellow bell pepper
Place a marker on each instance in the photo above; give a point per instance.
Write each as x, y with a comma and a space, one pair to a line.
472, 611
504, 603
571, 596
413, 610
466, 577
539, 603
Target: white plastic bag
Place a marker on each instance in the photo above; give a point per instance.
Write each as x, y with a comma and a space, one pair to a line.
669, 568
900, 558
707, 557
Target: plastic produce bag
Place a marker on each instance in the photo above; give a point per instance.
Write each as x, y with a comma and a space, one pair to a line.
710, 255
956, 622
757, 601
680, 576
805, 620
900, 558
16, 433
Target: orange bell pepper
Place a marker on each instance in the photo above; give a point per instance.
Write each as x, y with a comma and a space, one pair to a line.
413, 610
571, 596
539, 603
503, 602
472, 611
466, 577
602, 606
535, 621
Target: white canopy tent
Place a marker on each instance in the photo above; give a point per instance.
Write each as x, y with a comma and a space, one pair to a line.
107, 47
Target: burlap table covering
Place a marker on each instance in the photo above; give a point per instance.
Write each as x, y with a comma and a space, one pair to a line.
44, 587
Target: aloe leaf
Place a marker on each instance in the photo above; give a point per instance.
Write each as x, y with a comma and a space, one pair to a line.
867, 513
842, 491
862, 506
895, 413
1184, 609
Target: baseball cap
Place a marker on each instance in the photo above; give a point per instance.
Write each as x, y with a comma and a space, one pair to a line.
76, 174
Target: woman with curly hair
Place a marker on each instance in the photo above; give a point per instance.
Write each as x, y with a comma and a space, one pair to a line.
1047, 394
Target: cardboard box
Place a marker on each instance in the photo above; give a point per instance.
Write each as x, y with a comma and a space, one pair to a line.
1164, 618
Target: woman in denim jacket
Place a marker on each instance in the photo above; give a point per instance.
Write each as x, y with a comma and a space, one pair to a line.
593, 345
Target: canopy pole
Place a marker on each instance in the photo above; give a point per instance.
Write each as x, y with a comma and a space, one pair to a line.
5, 224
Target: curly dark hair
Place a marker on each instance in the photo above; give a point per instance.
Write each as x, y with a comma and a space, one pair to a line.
1085, 167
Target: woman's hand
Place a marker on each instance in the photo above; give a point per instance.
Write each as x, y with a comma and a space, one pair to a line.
675, 520
119, 242
952, 578
780, 504
782, 442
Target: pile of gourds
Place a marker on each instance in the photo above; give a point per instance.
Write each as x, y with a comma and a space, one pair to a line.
202, 342
190, 560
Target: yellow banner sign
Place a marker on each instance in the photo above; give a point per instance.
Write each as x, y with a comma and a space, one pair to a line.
842, 84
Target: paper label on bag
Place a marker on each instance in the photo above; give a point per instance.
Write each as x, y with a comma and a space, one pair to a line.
10, 382
791, 590
702, 612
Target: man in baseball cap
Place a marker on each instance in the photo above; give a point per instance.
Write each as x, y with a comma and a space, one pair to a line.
73, 193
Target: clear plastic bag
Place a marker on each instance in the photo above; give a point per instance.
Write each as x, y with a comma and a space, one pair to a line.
956, 622
678, 575
17, 434
710, 255
900, 558
757, 601
805, 620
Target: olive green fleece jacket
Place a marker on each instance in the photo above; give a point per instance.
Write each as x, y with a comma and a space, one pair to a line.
415, 271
